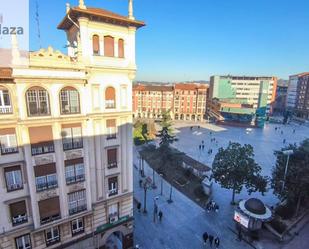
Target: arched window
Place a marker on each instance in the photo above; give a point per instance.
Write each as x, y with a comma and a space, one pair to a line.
110, 98
96, 45
69, 101
37, 101
5, 101
109, 46
120, 48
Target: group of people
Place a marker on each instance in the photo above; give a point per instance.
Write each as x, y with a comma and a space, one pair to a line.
212, 240
212, 206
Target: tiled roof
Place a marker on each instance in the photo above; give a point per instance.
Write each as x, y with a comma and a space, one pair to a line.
105, 15
152, 88
183, 86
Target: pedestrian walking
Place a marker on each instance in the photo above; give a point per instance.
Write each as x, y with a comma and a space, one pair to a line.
202, 141
208, 207
293, 131
217, 242
203, 146
160, 215
141, 183
199, 147
139, 205
205, 237
216, 208
284, 141
211, 239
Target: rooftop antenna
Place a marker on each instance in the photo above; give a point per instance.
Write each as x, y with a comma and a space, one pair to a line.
37, 18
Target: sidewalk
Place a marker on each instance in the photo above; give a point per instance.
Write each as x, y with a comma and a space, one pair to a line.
183, 222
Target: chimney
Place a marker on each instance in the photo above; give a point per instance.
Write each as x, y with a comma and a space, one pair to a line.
131, 10
15, 51
67, 7
82, 4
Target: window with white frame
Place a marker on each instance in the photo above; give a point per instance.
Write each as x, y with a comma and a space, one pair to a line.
111, 129
8, 141
72, 137
113, 212
52, 235
37, 101
13, 178
77, 202
5, 101
112, 186
74, 170
69, 101
23, 242
77, 226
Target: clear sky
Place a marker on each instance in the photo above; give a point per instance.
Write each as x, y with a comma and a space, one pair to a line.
194, 39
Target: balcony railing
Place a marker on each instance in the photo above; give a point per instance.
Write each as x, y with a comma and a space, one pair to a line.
53, 240
50, 218
11, 150
20, 219
77, 209
74, 179
112, 192
47, 185
6, 109
110, 104
73, 145
111, 136
42, 149
112, 165
15, 186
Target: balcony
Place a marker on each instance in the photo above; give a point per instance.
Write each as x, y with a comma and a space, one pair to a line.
10, 150
50, 218
110, 104
111, 136
20, 219
73, 145
6, 110
112, 165
112, 192
46, 185
77, 209
52, 241
75, 179
16, 186
42, 149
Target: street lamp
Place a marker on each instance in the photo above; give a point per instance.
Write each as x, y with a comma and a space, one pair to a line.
153, 179
161, 193
170, 199
287, 153
155, 208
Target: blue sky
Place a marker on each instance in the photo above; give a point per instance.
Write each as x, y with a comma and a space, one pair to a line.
192, 40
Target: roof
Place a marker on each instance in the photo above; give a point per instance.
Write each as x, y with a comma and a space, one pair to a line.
152, 88
184, 86
195, 164
99, 15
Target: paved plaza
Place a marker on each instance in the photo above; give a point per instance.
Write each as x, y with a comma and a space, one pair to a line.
184, 222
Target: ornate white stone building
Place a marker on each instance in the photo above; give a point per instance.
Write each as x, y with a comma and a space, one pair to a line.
66, 138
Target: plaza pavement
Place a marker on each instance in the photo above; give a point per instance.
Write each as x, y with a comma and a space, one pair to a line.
183, 221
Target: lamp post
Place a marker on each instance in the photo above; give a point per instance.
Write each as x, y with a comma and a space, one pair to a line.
155, 208
161, 192
170, 199
287, 153
153, 180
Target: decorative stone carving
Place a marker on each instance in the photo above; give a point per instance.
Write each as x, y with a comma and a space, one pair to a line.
76, 187
50, 54
47, 194
72, 154
45, 159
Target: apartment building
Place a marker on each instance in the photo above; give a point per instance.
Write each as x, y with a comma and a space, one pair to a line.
184, 101
150, 101
190, 101
254, 93
302, 100
297, 95
66, 136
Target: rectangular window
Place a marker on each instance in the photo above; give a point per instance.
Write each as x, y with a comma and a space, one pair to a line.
69, 101
41, 139
77, 226
72, 136
13, 178
5, 103
112, 158
8, 141
74, 170
77, 202
113, 213
23, 242
18, 212
49, 210
52, 236
113, 186
45, 177
111, 129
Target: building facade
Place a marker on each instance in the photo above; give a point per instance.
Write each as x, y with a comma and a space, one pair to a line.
184, 101
151, 101
279, 106
66, 136
246, 99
